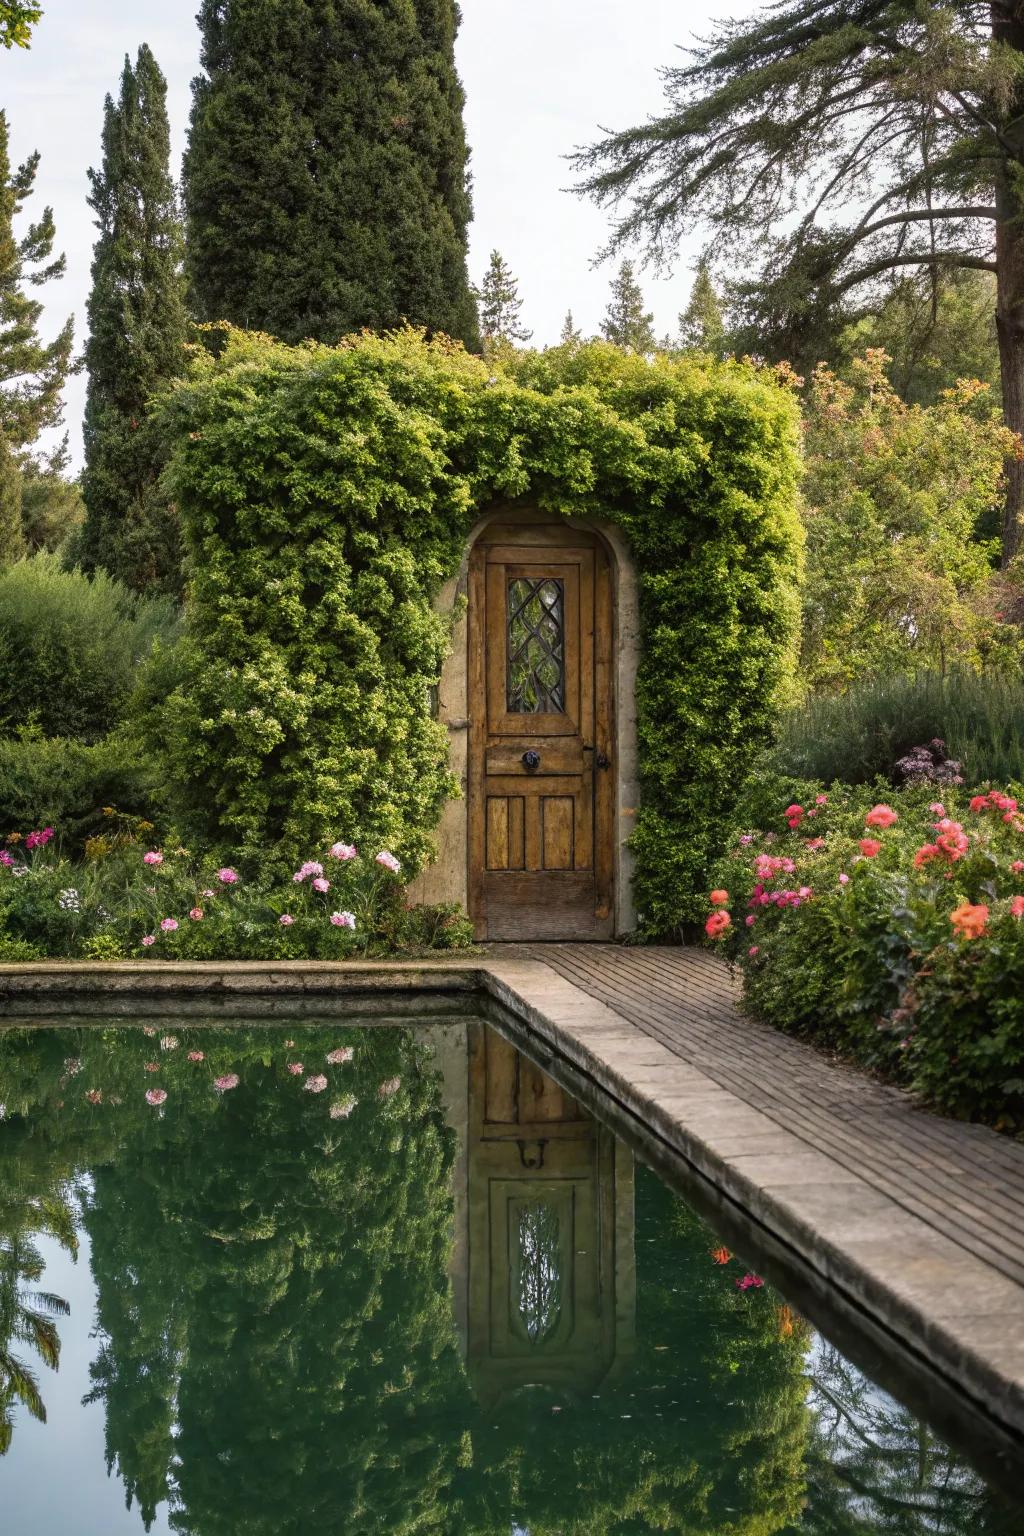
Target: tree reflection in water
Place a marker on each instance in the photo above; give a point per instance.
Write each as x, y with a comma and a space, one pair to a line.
277, 1351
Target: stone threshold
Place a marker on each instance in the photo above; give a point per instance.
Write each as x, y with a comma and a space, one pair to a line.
905, 1283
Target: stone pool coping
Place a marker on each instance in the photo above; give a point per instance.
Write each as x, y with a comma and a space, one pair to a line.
905, 1279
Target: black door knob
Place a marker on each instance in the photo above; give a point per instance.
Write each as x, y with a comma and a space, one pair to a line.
531, 760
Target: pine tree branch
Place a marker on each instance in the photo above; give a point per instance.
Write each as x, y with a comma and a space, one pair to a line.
954, 259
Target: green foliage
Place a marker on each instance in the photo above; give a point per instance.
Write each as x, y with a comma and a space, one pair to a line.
326, 186
862, 735
895, 499
16, 22
326, 495
32, 372
12, 539
53, 781
702, 325
500, 307
137, 330
869, 952
936, 333
52, 509
70, 647
626, 324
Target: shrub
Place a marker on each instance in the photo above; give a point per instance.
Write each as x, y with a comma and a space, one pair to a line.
979, 716
51, 781
69, 647
126, 899
327, 493
893, 930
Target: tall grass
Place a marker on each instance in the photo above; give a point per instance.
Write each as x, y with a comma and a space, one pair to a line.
860, 735
70, 647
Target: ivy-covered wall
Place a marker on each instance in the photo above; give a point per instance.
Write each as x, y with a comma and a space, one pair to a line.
327, 493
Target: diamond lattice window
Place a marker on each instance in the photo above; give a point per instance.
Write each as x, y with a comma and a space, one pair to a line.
536, 647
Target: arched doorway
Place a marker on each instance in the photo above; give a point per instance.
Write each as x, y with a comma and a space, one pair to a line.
542, 737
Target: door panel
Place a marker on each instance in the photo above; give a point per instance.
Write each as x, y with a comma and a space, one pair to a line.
541, 809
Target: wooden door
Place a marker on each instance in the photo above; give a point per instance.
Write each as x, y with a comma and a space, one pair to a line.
542, 750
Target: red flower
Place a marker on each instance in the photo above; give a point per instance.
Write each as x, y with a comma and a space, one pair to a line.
870, 847
1017, 907
717, 924
880, 816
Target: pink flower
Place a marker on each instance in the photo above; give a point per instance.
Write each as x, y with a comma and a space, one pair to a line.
870, 847
209, 895
152, 857
321, 885
751, 920
979, 802
95, 1096
342, 1108
388, 861
937, 808
821, 799
286, 919
148, 940
197, 1055
753, 950
389, 1086
156, 1095
1018, 866
748, 1281
295, 1068
844, 878
717, 924
169, 924
227, 876
229, 1080
342, 851
342, 1054
343, 919
196, 914
881, 816
315, 1083
311, 867
814, 843
298, 877
1017, 907
746, 839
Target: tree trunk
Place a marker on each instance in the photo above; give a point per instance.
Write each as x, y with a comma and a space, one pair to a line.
1010, 288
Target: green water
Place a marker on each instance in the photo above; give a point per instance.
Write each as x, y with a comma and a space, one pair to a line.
431, 1296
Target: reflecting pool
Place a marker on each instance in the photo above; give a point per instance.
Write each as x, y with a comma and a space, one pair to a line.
272, 1280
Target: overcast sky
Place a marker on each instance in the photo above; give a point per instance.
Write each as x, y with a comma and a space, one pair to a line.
540, 77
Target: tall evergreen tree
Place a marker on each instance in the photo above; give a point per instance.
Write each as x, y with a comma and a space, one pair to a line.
626, 323
701, 326
32, 372
137, 330
500, 307
571, 334
895, 130
326, 184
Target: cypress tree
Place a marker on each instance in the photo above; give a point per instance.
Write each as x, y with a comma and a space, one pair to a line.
500, 307
326, 184
625, 322
571, 335
137, 330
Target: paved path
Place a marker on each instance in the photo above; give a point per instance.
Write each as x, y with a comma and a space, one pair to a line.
911, 1226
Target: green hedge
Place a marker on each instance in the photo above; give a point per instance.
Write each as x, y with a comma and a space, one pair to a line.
327, 493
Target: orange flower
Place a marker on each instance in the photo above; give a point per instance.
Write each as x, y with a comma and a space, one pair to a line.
720, 1255
717, 924
786, 1320
719, 898
969, 921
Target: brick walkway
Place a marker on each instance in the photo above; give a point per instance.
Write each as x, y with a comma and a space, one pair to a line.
963, 1180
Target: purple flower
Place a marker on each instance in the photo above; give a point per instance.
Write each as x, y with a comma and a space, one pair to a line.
227, 876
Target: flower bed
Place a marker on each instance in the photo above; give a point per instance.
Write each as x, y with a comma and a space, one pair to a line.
125, 901
891, 929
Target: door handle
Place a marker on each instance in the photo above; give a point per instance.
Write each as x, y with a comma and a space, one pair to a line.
602, 760
531, 761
